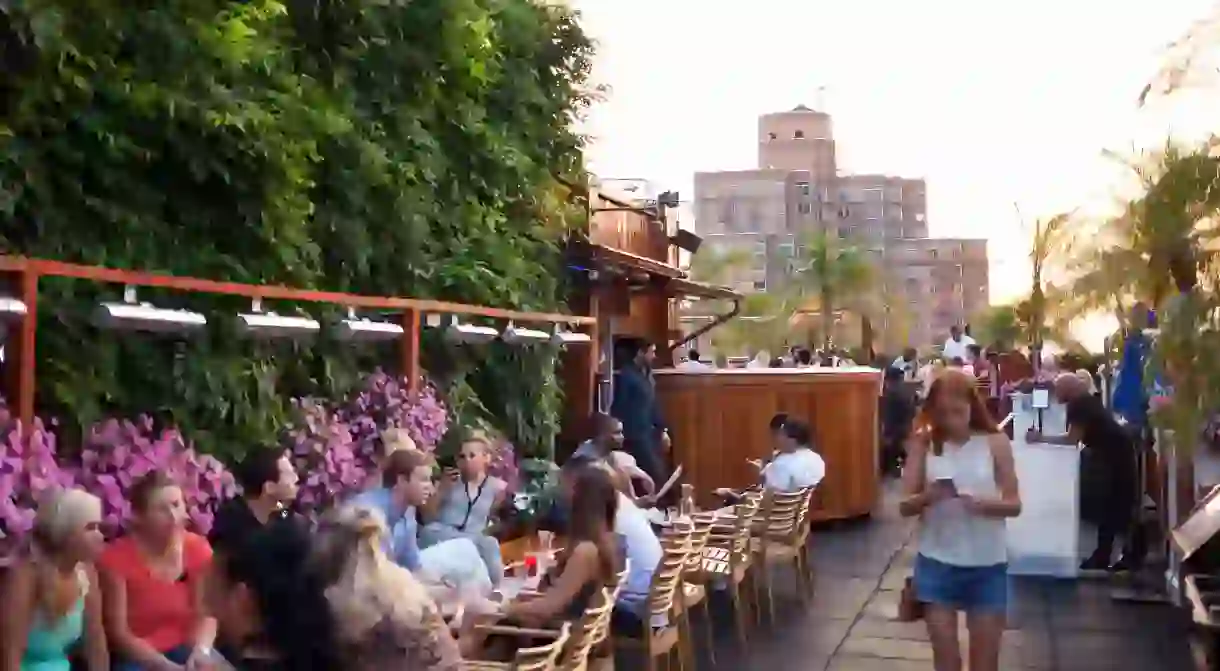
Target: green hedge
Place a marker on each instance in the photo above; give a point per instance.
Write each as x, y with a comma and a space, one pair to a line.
371, 146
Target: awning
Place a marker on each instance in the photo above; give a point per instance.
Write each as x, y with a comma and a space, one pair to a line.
674, 280
602, 255
685, 287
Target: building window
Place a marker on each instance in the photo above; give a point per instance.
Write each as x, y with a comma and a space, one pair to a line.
803, 187
760, 285
803, 208
798, 135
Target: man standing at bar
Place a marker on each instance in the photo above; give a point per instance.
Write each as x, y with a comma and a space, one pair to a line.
635, 405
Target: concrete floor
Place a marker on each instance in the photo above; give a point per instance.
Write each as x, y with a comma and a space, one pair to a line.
850, 625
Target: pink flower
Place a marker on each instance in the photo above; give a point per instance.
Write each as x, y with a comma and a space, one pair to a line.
28, 470
117, 454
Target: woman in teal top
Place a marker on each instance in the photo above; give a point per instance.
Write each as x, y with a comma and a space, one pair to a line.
51, 598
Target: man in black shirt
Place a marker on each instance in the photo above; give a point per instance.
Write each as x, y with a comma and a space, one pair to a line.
1113, 452
268, 483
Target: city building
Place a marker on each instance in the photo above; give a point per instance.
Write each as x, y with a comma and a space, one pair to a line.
926, 284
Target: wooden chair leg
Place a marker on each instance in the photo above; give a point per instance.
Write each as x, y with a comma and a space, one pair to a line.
739, 615
686, 651
708, 632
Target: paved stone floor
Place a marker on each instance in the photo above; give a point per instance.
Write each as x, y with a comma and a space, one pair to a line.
850, 625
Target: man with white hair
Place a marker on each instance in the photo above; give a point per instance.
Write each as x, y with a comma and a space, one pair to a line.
1113, 452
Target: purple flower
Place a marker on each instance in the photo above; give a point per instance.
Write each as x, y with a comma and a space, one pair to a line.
324, 454
117, 454
385, 402
28, 469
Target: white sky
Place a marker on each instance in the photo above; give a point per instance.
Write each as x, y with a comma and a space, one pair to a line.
992, 103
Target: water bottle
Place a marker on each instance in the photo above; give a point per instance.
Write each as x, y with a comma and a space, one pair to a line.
686, 506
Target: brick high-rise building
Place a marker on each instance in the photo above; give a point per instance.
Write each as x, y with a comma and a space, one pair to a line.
931, 283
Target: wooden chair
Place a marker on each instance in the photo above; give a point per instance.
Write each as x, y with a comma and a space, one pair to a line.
727, 557
694, 587
661, 642
539, 658
779, 534
589, 632
601, 656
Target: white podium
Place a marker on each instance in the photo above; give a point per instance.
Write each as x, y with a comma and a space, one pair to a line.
1045, 539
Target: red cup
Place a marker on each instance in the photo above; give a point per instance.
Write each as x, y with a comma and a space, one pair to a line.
531, 565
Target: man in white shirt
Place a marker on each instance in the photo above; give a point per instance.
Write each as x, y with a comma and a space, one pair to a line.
643, 552
957, 346
692, 362
796, 466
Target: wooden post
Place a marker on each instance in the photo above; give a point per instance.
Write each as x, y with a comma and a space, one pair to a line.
19, 350
409, 348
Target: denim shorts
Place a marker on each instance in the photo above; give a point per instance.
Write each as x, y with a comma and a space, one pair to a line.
974, 589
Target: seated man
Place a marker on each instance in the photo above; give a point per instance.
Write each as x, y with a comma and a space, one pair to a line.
637, 542
793, 465
796, 466
606, 446
406, 486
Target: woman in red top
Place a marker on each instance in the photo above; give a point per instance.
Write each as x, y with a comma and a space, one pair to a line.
152, 582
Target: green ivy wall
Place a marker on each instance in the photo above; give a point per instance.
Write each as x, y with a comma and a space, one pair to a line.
371, 146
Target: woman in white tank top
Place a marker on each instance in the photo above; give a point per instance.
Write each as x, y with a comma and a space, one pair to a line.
960, 480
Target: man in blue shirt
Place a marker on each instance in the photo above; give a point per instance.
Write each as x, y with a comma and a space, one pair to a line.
406, 483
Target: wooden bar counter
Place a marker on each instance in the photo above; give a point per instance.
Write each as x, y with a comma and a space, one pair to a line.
719, 418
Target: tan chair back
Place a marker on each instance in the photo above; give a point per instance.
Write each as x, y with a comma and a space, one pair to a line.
780, 515
543, 657
698, 541
588, 631
615, 590
667, 578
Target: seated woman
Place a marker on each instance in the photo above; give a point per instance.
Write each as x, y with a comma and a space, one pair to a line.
588, 563
152, 583
329, 602
50, 596
391, 441
385, 616
269, 607
466, 503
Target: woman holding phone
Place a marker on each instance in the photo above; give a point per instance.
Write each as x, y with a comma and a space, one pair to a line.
960, 480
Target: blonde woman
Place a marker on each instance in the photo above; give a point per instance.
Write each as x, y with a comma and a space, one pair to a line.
393, 439
1087, 378
385, 617
467, 503
51, 598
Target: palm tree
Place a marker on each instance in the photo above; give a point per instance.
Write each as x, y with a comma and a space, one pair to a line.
831, 275
1050, 241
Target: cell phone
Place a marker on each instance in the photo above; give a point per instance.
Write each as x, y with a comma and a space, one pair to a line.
947, 485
